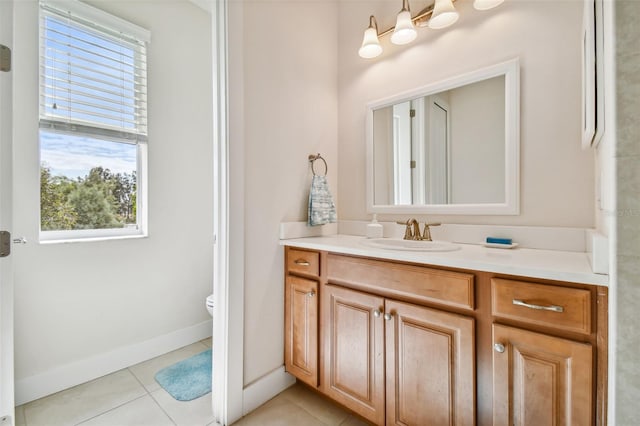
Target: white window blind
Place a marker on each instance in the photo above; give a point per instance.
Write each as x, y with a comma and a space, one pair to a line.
93, 76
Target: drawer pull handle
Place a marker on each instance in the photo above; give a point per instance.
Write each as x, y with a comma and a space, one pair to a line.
552, 308
301, 262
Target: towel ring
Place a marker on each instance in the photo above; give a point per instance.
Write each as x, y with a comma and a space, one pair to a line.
313, 158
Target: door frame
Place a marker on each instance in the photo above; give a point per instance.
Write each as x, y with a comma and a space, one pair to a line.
228, 263
7, 397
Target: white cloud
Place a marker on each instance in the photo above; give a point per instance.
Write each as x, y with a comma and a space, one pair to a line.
74, 156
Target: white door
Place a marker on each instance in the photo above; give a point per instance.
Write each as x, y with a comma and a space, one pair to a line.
438, 153
402, 153
6, 279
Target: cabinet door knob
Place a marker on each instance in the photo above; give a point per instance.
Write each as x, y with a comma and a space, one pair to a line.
498, 347
388, 316
311, 293
376, 313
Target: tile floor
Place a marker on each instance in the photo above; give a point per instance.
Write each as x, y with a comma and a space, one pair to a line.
131, 397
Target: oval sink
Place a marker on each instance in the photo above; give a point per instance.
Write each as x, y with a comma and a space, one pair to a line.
410, 245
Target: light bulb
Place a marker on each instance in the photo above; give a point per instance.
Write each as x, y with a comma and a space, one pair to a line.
486, 4
370, 44
444, 14
404, 31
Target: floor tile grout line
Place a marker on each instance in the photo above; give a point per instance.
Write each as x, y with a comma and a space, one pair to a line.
111, 409
313, 415
151, 395
139, 381
142, 385
163, 410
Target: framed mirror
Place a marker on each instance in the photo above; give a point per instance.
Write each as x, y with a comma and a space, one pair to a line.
451, 147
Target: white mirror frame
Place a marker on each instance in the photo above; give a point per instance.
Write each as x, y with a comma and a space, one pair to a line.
511, 71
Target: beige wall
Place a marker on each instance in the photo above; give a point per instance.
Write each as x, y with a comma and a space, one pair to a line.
556, 174
627, 267
477, 144
76, 301
288, 111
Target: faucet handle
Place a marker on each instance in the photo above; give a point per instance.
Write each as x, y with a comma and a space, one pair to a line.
426, 234
408, 233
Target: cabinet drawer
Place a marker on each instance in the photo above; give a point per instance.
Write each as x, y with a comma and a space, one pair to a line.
302, 261
406, 282
562, 308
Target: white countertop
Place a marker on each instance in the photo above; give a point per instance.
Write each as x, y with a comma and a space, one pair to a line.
546, 264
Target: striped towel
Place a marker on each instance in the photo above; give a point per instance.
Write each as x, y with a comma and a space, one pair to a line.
321, 207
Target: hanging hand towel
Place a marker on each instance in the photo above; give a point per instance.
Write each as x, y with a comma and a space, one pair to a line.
321, 207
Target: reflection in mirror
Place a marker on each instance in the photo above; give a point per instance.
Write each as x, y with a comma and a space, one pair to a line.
449, 148
445, 148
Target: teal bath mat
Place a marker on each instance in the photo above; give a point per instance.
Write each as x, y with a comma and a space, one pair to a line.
188, 379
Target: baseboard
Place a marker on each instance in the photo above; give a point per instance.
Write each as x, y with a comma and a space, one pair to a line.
265, 388
75, 373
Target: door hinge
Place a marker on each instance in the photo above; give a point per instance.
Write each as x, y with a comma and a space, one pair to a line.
412, 164
412, 113
5, 243
5, 58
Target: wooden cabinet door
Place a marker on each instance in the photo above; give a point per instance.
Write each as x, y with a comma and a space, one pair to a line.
430, 360
353, 360
301, 329
540, 380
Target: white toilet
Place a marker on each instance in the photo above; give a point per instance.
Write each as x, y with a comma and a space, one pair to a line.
210, 304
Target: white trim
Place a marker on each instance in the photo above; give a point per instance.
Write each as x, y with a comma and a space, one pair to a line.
90, 235
6, 216
75, 373
588, 75
511, 206
228, 334
265, 388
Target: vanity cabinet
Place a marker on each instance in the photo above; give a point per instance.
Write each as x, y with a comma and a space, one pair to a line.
401, 343
538, 378
427, 355
395, 362
353, 347
301, 315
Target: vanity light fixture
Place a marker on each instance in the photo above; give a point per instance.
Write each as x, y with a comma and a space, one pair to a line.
443, 15
370, 43
486, 4
439, 15
404, 32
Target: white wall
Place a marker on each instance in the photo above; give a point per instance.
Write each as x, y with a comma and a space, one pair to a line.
288, 111
76, 301
556, 175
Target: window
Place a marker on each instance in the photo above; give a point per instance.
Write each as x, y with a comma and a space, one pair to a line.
93, 124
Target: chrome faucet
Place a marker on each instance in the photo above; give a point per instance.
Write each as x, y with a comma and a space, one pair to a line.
412, 231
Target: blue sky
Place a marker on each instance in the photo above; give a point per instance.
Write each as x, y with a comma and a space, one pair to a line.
74, 156
88, 78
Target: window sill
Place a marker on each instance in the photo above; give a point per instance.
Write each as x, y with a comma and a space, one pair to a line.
73, 240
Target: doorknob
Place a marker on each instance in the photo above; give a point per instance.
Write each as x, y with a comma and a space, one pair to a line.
21, 240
